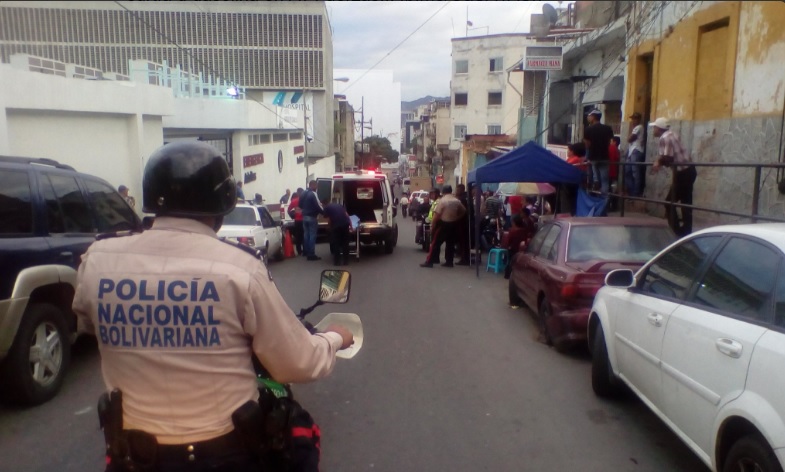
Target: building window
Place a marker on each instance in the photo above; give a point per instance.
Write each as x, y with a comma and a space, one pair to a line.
461, 99
250, 140
295, 136
460, 131
255, 139
264, 138
494, 129
278, 137
462, 67
497, 64
494, 98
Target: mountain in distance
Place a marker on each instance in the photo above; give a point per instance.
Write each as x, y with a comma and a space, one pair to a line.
411, 106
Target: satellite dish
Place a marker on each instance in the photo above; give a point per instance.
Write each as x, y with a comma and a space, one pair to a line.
550, 13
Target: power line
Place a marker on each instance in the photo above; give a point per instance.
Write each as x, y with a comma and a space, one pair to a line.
206, 66
396, 47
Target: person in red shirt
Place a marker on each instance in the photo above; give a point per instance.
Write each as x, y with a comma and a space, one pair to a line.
522, 230
613, 157
297, 215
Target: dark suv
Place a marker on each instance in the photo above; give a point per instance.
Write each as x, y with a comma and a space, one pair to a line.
49, 215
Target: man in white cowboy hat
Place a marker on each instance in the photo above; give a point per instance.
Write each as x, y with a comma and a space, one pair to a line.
670, 152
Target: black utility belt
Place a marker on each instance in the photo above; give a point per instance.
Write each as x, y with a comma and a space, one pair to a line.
229, 443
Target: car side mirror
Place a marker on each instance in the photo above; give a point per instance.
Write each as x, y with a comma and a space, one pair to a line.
620, 278
335, 286
147, 222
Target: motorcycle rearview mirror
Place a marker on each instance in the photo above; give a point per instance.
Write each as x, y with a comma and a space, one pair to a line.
335, 286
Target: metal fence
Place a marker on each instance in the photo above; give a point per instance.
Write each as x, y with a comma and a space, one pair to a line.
754, 213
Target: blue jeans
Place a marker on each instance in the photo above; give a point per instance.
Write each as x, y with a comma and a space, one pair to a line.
599, 173
309, 237
633, 175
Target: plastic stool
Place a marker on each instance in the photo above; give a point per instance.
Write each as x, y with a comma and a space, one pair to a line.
497, 260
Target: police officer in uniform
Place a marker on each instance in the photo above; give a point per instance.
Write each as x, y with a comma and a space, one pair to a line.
178, 315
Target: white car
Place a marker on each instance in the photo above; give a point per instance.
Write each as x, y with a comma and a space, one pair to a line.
698, 333
254, 226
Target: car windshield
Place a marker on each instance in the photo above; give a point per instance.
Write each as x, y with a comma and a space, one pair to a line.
617, 242
241, 216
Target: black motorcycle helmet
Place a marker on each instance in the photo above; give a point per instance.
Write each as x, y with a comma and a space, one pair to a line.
188, 179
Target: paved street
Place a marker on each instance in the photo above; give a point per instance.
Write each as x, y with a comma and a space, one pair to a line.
449, 378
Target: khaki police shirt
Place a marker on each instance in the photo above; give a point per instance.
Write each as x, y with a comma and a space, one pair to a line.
449, 208
178, 315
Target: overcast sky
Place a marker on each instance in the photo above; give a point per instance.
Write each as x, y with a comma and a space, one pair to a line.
365, 32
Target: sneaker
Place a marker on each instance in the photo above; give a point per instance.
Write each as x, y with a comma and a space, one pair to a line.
427, 264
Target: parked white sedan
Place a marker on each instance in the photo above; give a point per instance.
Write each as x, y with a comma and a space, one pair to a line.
254, 226
698, 333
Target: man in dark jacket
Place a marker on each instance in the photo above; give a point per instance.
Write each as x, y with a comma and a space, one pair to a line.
339, 224
597, 138
311, 207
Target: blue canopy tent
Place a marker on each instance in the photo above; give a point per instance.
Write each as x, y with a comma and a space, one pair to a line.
528, 163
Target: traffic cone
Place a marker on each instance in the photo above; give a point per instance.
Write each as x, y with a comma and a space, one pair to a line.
288, 247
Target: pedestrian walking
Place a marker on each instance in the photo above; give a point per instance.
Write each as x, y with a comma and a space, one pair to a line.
404, 204
671, 153
464, 227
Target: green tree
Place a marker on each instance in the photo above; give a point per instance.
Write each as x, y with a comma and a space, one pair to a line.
381, 149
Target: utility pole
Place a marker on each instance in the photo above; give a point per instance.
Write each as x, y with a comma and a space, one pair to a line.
305, 138
362, 132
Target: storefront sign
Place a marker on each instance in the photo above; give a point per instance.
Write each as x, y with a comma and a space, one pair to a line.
543, 63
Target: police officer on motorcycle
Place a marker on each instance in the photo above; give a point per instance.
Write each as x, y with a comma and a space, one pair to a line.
178, 315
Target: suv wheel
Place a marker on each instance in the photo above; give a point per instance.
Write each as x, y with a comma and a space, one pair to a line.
34, 369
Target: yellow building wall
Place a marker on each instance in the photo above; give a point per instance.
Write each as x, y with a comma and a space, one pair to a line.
760, 67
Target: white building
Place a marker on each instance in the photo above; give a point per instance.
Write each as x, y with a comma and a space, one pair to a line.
280, 53
109, 128
486, 94
380, 95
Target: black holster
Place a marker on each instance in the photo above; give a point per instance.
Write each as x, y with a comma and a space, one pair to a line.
126, 450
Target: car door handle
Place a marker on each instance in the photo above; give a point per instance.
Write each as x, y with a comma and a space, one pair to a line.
655, 319
729, 347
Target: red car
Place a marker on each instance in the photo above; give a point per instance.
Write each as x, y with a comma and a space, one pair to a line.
564, 266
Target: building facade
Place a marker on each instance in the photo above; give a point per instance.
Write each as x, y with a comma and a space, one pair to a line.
486, 94
714, 69
262, 46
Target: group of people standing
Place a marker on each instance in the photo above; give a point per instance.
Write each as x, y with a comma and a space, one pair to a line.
449, 226
305, 208
599, 152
